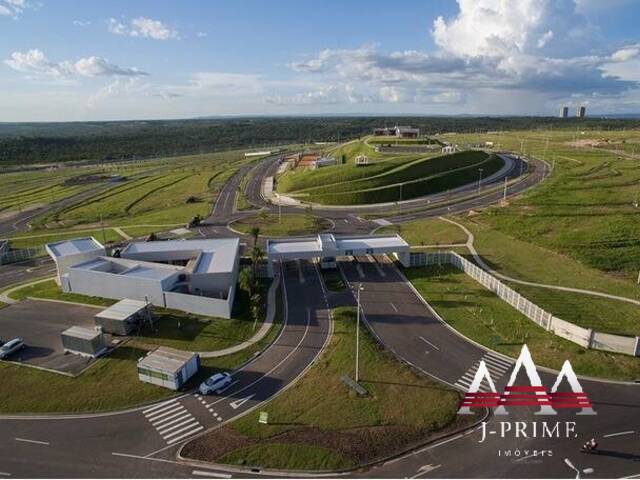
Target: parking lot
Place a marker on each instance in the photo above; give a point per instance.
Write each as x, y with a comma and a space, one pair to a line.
39, 324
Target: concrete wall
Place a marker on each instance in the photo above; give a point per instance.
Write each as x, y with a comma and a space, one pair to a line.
109, 285
585, 337
211, 307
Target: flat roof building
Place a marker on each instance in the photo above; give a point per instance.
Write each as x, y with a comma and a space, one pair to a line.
197, 276
83, 341
71, 252
327, 246
124, 317
168, 367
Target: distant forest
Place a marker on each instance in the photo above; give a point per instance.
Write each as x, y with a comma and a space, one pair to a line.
39, 143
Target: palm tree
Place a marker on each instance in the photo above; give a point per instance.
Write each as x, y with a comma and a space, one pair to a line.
245, 279
256, 308
255, 233
257, 255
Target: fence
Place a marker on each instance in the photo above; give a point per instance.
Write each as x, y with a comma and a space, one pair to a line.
21, 254
585, 337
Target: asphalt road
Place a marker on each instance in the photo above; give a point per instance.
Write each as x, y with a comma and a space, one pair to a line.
413, 332
144, 442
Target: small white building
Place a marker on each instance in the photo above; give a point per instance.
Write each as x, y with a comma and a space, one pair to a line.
88, 342
326, 247
448, 149
168, 367
72, 252
124, 317
362, 160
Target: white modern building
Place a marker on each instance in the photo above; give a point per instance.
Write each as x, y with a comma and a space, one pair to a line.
326, 247
197, 276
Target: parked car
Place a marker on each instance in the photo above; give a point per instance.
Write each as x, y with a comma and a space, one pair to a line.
216, 383
10, 347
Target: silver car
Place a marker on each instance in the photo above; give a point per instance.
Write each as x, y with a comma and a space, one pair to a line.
12, 346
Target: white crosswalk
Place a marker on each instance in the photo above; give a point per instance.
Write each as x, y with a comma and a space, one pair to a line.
496, 365
172, 421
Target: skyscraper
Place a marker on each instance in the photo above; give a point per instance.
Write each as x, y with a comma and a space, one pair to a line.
581, 112
564, 111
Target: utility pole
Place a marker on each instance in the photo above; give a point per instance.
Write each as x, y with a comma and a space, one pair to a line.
279, 210
504, 197
104, 236
360, 288
479, 179
400, 202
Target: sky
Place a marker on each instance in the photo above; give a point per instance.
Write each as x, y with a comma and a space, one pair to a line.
72, 60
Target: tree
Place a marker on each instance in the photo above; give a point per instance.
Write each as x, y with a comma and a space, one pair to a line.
255, 233
256, 308
245, 279
257, 255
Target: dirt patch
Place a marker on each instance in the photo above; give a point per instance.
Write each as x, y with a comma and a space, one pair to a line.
362, 445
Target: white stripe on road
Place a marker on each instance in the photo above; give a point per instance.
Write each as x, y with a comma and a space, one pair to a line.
500, 366
169, 415
160, 405
394, 307
202, 473
26, 440
162, 422
499, 360
194, 424
628, 432
5, 474
427, 341
157, 410
164, 412
163, 425
166, 429
181, 437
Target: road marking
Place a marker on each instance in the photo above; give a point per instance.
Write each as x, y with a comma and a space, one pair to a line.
172, 414
394, 307
428, 342
628, 432
300, 275
158, 408
235, 405
360, 272
5, 474
210, 474
26, 440
182, 437
426, 469
439, 444
166, 429
193, 426
637, 475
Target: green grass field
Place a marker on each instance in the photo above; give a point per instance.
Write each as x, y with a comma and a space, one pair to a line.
427, 232
320, 423
292, 224
388, 181
479, 314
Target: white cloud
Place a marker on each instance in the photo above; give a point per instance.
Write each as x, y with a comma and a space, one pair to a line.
201, 34
35, 64
82, 23
540, 49
14, 8
142, 27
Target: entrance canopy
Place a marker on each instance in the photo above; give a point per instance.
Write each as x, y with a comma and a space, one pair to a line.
327, 245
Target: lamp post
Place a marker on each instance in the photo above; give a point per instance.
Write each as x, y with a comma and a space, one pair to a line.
479, 179
360, 288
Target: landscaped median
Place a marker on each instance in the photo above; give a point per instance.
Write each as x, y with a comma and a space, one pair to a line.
322, 424
111, 383
273, 225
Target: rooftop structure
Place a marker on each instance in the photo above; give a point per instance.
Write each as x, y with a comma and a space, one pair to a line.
328, 246
197, 276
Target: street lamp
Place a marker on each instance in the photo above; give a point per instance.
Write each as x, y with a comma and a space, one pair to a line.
360, 288
479, 179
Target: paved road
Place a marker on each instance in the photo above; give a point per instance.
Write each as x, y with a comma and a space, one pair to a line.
14, 273
414, 333
144, 442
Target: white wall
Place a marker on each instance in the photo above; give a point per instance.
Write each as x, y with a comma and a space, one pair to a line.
109, 285
63, 263
212, 307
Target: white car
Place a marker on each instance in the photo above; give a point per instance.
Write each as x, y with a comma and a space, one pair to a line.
10, 347
216, 383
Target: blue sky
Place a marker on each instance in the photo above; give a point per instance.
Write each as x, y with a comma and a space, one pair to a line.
90, 60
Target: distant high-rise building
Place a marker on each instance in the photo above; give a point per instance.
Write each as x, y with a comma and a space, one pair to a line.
581, 112
564, 112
